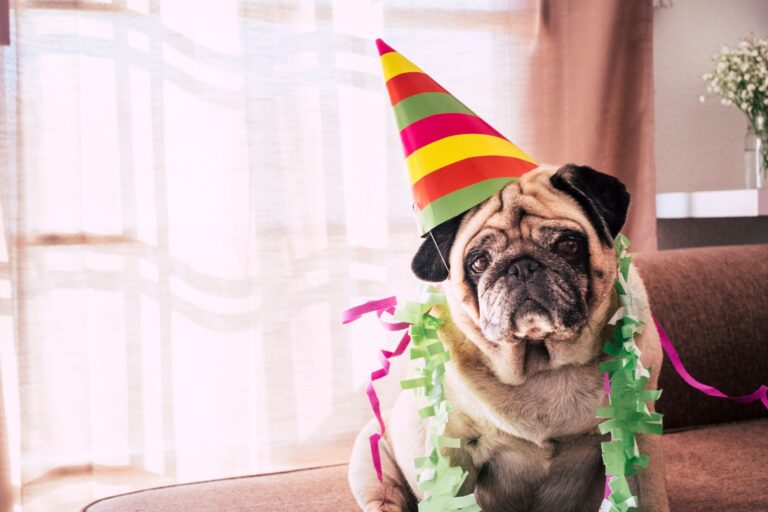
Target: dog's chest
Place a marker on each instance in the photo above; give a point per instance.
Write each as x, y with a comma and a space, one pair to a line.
511, 474
533, 447
554, 405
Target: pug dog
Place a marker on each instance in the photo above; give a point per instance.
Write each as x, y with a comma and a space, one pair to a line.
528, 275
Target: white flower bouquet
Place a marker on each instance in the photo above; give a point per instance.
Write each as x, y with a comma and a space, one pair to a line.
740, 77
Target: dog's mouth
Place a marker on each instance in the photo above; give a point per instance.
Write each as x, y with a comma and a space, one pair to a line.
532, 322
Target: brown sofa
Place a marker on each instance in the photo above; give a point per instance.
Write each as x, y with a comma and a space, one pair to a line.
713, 303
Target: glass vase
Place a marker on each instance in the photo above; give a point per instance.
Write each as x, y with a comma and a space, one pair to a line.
755, 157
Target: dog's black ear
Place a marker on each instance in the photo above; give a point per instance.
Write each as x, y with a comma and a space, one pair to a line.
603, 198
428, 264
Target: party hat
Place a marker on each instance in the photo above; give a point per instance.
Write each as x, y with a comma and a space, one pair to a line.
455, 159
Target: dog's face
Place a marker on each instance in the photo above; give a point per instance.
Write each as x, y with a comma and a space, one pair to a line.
531, 269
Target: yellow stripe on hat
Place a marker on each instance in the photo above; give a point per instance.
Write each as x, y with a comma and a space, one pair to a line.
395, 64
451, 149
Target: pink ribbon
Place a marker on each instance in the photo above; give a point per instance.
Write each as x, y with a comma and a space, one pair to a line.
607, 390
760, 393
380, 306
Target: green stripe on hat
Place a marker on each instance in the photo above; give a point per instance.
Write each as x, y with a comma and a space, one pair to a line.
458, 202
427, 104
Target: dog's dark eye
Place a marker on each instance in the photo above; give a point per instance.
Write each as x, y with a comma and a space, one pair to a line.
568, 246
479, 264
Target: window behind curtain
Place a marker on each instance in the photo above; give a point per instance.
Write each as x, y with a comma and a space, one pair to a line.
201, 188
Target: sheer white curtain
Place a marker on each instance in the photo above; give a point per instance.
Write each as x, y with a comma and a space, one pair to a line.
192, 192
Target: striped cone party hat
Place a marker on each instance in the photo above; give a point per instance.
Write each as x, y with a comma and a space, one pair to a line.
455, 159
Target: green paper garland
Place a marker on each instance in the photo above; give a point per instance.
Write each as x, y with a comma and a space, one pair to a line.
438, 479
626, 415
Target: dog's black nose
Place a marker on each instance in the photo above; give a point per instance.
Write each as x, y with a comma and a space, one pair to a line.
523, 268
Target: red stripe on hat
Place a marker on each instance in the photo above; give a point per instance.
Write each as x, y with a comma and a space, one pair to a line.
406, 85
464, 173
383, 47
433, 128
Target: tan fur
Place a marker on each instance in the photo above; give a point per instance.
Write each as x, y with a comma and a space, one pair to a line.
536, 428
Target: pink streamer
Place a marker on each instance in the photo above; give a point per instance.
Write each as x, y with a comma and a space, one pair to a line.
380, 306
350, 315
607, 389
760, 393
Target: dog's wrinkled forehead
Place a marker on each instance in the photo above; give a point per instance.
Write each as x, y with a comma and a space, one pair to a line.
522, 210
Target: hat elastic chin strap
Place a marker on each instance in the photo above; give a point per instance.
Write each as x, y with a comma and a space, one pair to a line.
445, 264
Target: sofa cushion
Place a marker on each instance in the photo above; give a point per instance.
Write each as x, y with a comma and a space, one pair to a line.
709, 469
322, 489
718, 468
713, 304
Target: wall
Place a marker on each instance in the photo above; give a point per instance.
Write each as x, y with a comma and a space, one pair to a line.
699, 146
